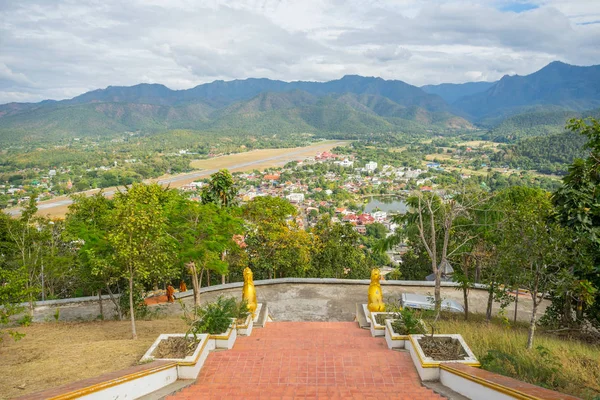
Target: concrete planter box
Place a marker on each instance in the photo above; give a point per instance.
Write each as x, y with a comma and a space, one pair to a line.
367, 313
188, 367
226, 339
429, 368
245, 329
257, 312
393, 339
376, 328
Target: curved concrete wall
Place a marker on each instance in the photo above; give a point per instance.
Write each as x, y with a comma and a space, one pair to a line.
290, 299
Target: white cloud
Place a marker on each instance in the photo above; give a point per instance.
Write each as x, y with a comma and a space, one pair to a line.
62, 48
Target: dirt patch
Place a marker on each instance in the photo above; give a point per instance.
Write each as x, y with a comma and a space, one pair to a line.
176, 347
380, 318
57, 353
442, 348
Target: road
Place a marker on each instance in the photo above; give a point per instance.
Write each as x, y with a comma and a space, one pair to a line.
57, 207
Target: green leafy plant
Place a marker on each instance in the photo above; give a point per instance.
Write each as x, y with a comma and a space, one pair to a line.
406, 321
212, 318
57, 314
25, 320
240, 310
409, 323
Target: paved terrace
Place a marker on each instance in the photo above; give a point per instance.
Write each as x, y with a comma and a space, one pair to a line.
308, 360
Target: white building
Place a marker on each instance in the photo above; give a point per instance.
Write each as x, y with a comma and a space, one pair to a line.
347, 163
295, 197
379, 216
371, 166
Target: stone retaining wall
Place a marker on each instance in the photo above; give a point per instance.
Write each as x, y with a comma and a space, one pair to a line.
293, 299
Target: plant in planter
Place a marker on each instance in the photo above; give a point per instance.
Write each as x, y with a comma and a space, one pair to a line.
409, 323
216, 319
406, 321
212, 318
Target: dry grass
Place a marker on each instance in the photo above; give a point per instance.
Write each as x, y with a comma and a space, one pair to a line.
568, 366
53, 354
272, 157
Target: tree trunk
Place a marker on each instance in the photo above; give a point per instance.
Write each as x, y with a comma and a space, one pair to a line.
490, 302
223, 275
131, 310
115, 302
208, 277
438, 291
466, 299
100, 304
532, 322
516, 305
195, 285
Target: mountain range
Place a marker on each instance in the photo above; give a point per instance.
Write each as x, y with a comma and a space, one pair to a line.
352, 104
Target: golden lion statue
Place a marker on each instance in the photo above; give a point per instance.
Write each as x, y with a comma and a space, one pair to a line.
376, 303
248, 291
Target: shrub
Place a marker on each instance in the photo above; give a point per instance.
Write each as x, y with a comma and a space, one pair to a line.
409, 323
211, 318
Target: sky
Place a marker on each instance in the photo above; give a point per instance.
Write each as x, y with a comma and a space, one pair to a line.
56, 49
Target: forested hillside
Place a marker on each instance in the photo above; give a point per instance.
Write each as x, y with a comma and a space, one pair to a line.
546, 154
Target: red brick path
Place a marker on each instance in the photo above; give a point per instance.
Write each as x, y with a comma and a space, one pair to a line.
308, 360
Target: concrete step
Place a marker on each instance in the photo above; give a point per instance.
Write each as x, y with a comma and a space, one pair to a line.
171, 389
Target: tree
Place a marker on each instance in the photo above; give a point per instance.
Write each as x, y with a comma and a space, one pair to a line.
338, 252
28, 242
434, 220
204, 232
578, 206
532, 250
220, 190
13, 277
143, 249
275, 244
88, 222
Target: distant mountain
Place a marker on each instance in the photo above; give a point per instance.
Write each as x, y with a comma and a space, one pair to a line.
558, 84
352, 104
451, 92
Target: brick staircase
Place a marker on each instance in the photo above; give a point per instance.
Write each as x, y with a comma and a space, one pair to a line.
308, 360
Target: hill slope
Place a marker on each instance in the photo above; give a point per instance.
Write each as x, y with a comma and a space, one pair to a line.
451, 92
558, 84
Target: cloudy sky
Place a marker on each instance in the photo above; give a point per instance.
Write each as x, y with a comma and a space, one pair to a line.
61, 48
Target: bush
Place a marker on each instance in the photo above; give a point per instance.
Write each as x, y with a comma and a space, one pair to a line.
211, 318
408, 320
410, 323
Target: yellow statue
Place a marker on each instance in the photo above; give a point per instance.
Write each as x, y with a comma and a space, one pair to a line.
248, 291
376, 303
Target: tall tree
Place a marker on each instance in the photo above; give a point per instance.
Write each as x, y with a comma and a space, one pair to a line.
275, 244
88, 223
204, 232
143, 249
338, 252
578, 207
28, 241
533, 247
434, 220
13, 277
221, 191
